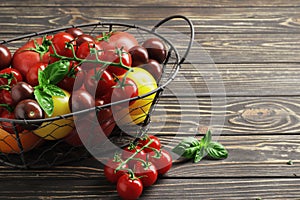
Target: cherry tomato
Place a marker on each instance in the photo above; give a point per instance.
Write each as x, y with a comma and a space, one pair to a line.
129, 188
125, 89
156, 49
10, 75
139, 55
74, 79
9, 126
5, 57
32, 75
109, 170
162, 164
99, 82
84, 38
113, 57
75, 32
147, 173
117, 39
81, 100
6, 98
29, 54
20, 91
154, 145
60, 42
87, 51
129, 151
154, 68
29, 109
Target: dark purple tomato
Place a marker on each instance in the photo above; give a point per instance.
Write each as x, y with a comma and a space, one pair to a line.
20, 91
81, 100
156, 49
154, 68
75, 32
139, 55
29, 109
5, 57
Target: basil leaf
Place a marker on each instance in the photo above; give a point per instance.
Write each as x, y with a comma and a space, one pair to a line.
56, 71
45, 101
42, 78
199, 155
53, 90
216, 150
187, 147
206, 139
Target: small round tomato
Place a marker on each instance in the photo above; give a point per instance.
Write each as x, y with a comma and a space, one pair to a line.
32, 75
156, 49
154, 145
117, 39
20, 91
99, 82
10, 75
163, 164
154, 68
84, 38
6, 98
117, 56
147, 173
9, 126
59, 128
61, 42
81, 100
75, 32
109, 170
129, 151
139, 55
5, 57
129, 188
125, 89
74, 78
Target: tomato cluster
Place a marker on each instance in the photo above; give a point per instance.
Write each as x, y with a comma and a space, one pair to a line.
138, 166
70, 71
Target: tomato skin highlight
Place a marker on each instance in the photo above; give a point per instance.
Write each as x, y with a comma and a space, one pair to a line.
148, 174
155, 143
109, 170
5, 57
162, 164
129, 188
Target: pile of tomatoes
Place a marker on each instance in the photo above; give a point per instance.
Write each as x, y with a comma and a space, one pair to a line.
70, 71
137, 166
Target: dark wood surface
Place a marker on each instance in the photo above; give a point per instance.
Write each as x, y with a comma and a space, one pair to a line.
255, 48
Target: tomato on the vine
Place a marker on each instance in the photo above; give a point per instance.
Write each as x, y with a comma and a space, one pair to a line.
163, 164
32, 75
74, 78
62, 43
147, 173
32, 52
129, 187
109, 170
154, 145
75, 32
124, 89
9, 126
130, 151
10, 76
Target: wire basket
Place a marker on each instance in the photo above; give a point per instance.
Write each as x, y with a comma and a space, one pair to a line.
47, 151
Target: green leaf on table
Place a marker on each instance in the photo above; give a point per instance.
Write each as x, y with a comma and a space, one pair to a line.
187, 147
216, 150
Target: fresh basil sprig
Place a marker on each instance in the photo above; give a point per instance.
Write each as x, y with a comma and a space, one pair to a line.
192, 148
48, 78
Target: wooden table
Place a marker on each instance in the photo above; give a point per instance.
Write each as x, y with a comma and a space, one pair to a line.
255, 47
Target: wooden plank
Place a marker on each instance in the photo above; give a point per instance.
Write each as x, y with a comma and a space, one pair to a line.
184, 188
228, 20
235, 115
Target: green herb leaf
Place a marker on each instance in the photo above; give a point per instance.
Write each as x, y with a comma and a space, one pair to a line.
53, 90
199, 155
56, 71
206, 139
187, 147
45, 101
42, 78
216, 150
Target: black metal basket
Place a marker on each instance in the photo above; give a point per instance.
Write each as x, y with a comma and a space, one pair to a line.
46, 153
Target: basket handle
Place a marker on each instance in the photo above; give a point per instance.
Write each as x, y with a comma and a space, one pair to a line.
192, 32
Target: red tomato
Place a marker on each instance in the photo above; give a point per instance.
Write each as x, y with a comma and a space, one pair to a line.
129, 151
109, 170
162, 164
60, 43
154, 145
84, 51
10, 75
32, 75
74, 79
75, 32
6, 97
117, 39
8, 126
5, 56
32, 52
112, 56
125, 89
148, 174
129, 188
84, 38
99, 82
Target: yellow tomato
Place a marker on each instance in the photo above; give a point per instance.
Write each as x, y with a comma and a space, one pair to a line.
138, 110
57, 129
